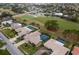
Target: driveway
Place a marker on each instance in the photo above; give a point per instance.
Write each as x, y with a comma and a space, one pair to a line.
13, 39
43, 50
20, 43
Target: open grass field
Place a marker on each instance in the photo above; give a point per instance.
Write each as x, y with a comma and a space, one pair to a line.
63, 24
27, 17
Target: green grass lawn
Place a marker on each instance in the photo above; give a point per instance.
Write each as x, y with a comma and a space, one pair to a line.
4, 52
27, 17
63, 24
29, 48
9, 33
19, 39
1, 43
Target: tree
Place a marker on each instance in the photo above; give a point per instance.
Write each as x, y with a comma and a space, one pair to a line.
4, 14
51, 25
35, 24
19, 9
74, 17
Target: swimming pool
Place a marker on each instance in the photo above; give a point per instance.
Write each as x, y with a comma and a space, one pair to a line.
31, 27
44, 37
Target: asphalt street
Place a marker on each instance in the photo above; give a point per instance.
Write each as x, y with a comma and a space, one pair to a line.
10, 46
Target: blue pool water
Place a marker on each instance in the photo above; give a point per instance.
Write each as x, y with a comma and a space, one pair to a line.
44, 37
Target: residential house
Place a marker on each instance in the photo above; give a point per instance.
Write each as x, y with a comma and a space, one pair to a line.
23, 30
26, 30
75, 51
7, 22
16, 25
33, 38
56, 47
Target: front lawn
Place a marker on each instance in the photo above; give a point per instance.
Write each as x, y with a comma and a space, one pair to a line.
1, 43
4, 52
28, 48
9, 33
19, 39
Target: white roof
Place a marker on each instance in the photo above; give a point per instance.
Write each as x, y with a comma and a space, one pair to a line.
55, 47
59, 43
9, 22
59, 14
16, 25
33, 37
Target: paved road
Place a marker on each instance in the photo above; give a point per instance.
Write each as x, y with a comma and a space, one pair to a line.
11, 48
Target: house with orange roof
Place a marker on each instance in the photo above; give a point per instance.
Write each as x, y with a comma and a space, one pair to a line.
33, 38
75, 51
56, 47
